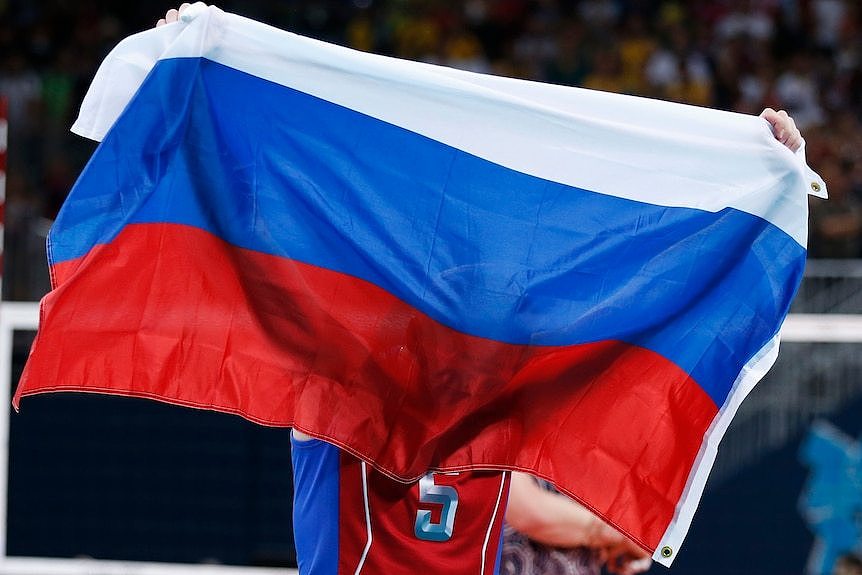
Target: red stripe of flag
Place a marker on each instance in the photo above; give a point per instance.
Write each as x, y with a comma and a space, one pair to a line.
257, 321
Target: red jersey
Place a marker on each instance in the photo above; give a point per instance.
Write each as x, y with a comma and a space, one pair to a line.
349, 518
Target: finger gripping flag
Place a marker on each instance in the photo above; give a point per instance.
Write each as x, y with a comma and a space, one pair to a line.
430, 268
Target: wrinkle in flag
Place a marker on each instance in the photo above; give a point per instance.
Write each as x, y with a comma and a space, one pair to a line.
262, 232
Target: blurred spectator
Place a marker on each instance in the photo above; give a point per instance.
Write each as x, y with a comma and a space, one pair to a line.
607, 73
599, 14
58, 88
636, 48
569, 66
836, 224
797, 92
828, 19
24, 251
677, 71
537, 46
22, 88
756, 88
461, 49
748, 19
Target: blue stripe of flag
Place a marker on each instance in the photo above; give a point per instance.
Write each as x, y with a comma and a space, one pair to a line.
481, 248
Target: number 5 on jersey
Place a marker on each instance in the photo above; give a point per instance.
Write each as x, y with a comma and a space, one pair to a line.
444, 495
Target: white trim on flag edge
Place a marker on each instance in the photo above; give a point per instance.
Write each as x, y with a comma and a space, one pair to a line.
751, 373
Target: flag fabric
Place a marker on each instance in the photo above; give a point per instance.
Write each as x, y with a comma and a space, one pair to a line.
430, 268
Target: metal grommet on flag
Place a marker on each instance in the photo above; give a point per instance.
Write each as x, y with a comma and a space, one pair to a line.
666, 552
815, 187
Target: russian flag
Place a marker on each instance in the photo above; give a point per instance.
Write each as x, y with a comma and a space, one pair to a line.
430, 268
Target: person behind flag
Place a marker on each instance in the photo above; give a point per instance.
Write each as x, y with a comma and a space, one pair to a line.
349, 516
548, 533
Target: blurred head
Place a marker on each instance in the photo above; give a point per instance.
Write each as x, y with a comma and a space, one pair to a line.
850, 564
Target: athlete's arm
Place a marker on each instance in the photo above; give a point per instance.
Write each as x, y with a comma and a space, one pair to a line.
555, 520
551, 518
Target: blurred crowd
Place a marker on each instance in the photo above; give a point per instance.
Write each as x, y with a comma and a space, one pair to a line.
801, 55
